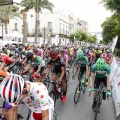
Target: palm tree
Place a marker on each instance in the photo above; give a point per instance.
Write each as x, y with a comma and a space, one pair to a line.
25, 25
8, 12
37, 5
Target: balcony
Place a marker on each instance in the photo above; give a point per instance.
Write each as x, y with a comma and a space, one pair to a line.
15, 30
62, 31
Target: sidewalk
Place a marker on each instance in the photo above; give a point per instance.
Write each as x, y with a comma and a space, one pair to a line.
117, 59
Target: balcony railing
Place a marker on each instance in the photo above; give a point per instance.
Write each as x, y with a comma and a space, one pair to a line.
62, 31
15, 30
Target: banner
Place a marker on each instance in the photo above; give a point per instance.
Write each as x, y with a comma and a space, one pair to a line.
115, 83
5, 2
114, 43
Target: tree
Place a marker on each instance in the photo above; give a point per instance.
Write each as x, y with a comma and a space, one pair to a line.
83, 36
113, 5
109, 30
37, 5
8, 12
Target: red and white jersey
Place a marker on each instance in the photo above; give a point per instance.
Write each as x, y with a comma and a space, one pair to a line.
37, 99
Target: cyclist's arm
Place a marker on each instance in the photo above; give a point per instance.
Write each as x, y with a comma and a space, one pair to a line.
108, 82
47, 70
27, 67
87, 70
62, 73
38, 70
2, 65
10, 114
45, 114
91, 79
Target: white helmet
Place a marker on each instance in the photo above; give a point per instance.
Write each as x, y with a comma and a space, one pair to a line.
11, 88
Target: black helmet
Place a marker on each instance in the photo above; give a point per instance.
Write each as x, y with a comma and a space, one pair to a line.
35, 49
29, 55
20, 48
3, 48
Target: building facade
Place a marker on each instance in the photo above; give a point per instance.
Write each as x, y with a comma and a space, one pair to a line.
54, 27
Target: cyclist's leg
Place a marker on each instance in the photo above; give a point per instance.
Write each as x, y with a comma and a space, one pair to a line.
96, 86
81, 72
40, 79
64, 84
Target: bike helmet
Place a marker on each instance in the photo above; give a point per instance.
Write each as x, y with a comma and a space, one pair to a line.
29, 55
35, 49
100, 64
54, 53
104, 55
20, 48
3, 49
80, 54
11, 88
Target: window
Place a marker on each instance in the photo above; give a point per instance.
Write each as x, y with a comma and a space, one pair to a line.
50, 26
15, 26
63, 28
66, 29
60, 27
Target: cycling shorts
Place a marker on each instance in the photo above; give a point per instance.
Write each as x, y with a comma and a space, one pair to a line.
55, 71
35, 68
98, 81
82, 71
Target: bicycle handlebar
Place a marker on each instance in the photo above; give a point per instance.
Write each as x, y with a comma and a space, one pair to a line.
97, 89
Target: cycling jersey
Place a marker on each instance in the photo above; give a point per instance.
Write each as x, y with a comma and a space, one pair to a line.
83, 62
103, 73
67, 51
57, 64
39, 53
37, 60
25, 52
64, 57
37, 99
6, 59
71, 51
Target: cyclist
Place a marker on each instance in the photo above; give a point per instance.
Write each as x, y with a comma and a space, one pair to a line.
58, 66
34, 95
102, 74
36, 63
38, 52
6, 51
7, 62
98, 52
83, 62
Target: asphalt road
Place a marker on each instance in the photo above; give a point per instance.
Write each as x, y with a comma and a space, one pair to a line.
82, 110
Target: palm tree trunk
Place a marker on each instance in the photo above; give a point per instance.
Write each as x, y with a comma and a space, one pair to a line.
25, 28
36, 27
6, 30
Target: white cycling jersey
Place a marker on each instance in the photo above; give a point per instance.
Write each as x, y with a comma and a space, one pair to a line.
37, 99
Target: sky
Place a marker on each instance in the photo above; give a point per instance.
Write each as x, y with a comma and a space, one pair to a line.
88, 10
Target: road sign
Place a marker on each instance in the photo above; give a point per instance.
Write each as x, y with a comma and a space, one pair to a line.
6, 2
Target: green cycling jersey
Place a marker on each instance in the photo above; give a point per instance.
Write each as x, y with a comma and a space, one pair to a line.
83, 62
103, 73
37, 60
25, 53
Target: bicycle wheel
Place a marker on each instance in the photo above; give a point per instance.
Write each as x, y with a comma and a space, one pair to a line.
77, 93
97, 108
54, 116
53, 96
23, 112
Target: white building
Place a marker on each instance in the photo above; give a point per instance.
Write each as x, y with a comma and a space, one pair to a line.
54, 27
